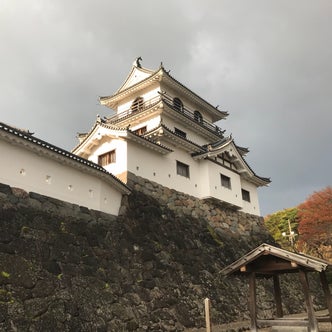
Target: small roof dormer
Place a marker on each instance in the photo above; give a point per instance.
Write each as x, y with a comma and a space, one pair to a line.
136, 75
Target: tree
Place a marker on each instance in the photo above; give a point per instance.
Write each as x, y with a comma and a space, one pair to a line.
278, 226
315, 223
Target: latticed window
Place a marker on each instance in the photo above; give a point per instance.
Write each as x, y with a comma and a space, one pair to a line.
178, 105
198, 116
140, 131
137, 104
225, 181
107, 158
245, 195
182, 169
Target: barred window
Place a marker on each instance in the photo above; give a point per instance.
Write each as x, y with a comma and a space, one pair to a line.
246, 195
178, 105
198, 116
140, 131
107, 158
137, 104
182, 169
225, 181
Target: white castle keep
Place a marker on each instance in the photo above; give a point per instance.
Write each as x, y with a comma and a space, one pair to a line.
164, 132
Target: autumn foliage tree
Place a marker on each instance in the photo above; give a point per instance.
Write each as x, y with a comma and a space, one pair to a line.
315, 224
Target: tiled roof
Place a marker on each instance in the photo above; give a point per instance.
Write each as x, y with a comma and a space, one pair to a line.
174, 134
9, 131
250, 262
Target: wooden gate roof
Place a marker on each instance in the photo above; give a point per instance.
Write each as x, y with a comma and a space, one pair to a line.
267, 260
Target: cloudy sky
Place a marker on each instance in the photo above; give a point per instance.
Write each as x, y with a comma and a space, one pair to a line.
268, 63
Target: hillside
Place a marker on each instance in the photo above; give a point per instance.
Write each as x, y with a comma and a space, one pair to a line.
67, 268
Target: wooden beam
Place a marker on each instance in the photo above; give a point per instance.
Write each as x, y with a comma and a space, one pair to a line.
313, 324
252, 302
283, 322
327, 293
277, 295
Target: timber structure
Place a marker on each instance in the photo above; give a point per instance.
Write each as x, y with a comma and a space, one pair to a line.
267, 261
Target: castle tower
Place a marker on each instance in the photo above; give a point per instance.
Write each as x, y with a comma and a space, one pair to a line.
164, 132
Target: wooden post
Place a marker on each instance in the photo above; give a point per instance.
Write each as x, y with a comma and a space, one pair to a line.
327, 292
277, 295
207, 314
252, 302
313, 324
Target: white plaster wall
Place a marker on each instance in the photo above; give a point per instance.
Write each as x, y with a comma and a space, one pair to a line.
120, 147
232, 195
252, 206
147, 95
188, 103
150, 124
204, 178
192, 135
162, 168
25, 169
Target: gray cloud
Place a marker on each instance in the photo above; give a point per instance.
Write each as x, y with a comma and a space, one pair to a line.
266, 62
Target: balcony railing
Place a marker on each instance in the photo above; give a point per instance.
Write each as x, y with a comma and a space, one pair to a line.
139, 106
194, 116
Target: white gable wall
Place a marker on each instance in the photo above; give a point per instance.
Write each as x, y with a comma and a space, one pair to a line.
30, 171
120, 147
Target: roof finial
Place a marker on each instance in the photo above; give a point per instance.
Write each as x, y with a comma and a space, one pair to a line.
137, 62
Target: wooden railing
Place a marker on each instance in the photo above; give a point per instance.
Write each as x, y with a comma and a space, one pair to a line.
191, 115
139, 106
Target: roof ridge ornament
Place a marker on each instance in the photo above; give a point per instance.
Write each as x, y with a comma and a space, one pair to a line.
137, 62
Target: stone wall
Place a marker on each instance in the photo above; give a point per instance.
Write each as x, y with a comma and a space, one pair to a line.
220, 216
66, 268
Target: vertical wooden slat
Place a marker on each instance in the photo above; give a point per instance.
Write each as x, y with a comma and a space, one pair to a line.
327, 292
313, 324
277, 295
252, 302
207, 314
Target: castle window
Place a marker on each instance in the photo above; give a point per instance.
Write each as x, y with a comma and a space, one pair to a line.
182, 169
180, 133
107, 158
245, 195
178, 105
225, 181
140, 131
198, 117
137, 104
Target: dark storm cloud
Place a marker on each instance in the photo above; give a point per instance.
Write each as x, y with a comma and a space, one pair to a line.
266, 62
